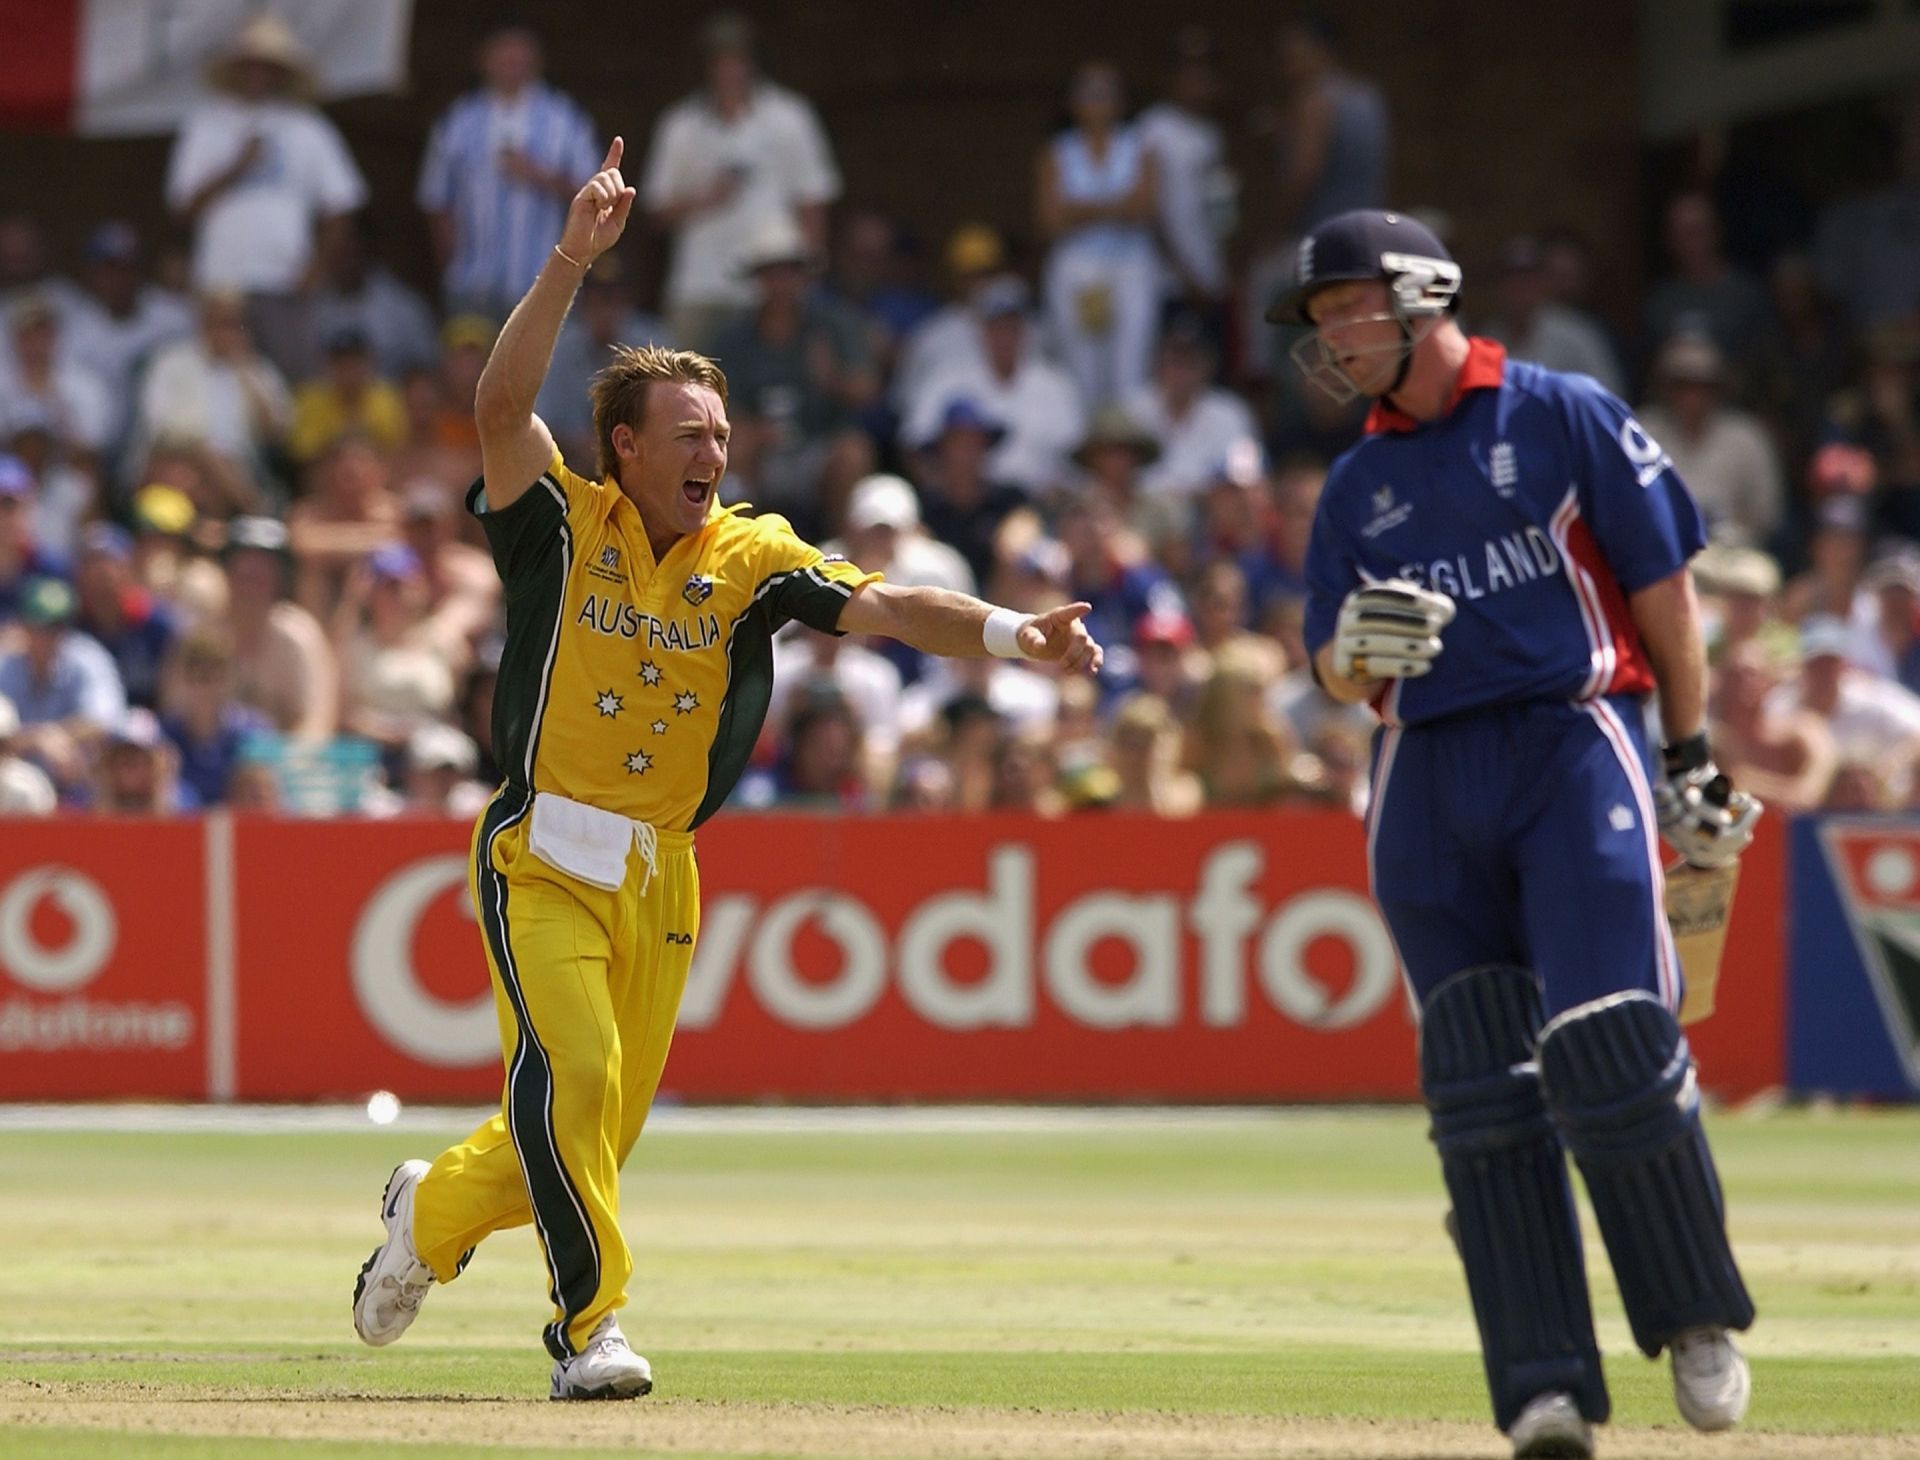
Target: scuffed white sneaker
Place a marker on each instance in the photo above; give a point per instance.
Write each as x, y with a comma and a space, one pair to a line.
1711, 1381
607, 1368
387, 1294
1551, 1428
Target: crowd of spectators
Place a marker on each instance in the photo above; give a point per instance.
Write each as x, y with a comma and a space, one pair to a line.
235, 570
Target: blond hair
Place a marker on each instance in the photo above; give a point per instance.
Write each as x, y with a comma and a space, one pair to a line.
619, 391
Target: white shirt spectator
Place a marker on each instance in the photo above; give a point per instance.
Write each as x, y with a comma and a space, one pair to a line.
1038, 405
257, 236
75, 406
115, 347
1732, 471
1875, 723
1193, 447
780, 152
1563, 339
870, 683
502, 227
1192, 176
188, 395
1024, 699
397, 322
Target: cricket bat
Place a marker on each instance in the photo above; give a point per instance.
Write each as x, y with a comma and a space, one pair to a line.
1699, 904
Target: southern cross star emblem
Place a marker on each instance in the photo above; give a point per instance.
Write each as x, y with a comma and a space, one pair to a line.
639, 763
608, 703
659, 727
686, 702
649, 673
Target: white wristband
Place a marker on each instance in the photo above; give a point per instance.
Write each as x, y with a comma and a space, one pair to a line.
1001, 633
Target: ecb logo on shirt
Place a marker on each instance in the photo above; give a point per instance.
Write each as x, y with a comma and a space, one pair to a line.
1502, 470
698, 589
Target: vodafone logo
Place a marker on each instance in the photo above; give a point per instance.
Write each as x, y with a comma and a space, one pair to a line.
411, 1018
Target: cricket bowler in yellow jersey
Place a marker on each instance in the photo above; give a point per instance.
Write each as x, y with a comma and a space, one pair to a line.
636, 675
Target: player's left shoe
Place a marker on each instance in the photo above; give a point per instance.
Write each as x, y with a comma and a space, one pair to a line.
387, 1294
1551, 1428
1711, 1381
607, 1368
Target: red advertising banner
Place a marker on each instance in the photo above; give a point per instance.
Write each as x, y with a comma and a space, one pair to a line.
1222, 958
103, 960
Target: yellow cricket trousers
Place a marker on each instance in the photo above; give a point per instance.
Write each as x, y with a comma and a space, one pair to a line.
587, 984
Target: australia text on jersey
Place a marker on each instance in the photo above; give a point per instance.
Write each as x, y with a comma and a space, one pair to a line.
623, 620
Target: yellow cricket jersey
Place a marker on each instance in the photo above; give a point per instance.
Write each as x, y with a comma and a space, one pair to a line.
635, 686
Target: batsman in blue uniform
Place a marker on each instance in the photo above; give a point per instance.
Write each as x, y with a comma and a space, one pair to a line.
1499, 567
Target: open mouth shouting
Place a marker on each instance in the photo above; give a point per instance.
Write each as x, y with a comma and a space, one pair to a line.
697, 491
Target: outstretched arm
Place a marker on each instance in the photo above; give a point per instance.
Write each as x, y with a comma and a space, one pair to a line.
960, 626
515, 444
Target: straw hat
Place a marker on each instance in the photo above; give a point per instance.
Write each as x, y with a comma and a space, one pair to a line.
266, 38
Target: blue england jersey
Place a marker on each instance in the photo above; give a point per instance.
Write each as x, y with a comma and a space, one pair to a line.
1538, 505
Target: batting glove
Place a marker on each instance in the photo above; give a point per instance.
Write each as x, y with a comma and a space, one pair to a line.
1390, 630
1709, 823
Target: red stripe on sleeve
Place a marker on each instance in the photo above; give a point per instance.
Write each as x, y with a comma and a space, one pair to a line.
1632, 673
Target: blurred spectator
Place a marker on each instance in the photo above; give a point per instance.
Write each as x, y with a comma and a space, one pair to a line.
255, 787
1882, 414
121, 616
1534, 327
1868, 246
1890, 647
1333, 133
950, 337
502, 164
139, 771
1784, 755
431, 453
884, 535
1145, 755
393, 680
1737, 589
165, 562
1116, 454
215, 486
1722, 454
440, 765
348, 398
1874, 722
798, 375
256, 171
358, 293
807, 661
215, 391
24, 787
1195, 422
1295, 699
727, 163
1109, 568
1705, 294
819, 766
1096, 187
463, 587
1222, 616
62, 684
1166, 664
1813, 361
1195, 199
1023, 776
1009, 691
26, 267
465, 342
283, 666
1836, 557
1037, 403
604, 316
122, 323
964, 507
66, 397
22, 556
870, 278
65, 491
1236, 747
203, 717
925, 784
349, 511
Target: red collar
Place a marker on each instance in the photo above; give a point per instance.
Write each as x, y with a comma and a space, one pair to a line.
1485, 367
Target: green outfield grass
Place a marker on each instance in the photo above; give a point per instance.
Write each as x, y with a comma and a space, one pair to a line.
1194, 1287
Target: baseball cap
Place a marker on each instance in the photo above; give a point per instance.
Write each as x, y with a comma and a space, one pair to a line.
883, 500
16, 477
1163, 628
138, 727
262, 534
435, 746
1896, 570
974, 248
160, 508
467, 331
106, 540
965, 414
115, 242
1842, 467
1351, 246
394, 562
1000, 297
1824, 636
46, 601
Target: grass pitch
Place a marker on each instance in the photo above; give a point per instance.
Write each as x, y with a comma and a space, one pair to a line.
1240, 1284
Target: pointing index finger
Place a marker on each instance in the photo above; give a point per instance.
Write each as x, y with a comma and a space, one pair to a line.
614, 150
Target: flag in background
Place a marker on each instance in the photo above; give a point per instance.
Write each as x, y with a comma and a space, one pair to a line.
133, 67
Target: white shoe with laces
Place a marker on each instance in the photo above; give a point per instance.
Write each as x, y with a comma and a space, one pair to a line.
386, 1297
607, 1368
1551, 1428
1711, 1381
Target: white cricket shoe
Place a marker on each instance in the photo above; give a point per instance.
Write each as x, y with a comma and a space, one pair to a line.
1551, 1428
607, 1368
387, 1294
1711, 1381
